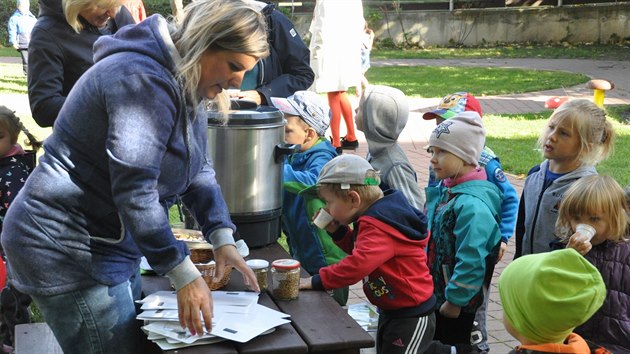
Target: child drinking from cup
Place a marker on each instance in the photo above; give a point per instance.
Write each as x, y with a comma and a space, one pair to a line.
600, 202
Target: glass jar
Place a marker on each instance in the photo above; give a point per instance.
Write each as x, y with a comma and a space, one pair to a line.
260, 267
285, 276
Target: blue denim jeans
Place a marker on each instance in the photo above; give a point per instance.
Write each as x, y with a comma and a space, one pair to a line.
97, 320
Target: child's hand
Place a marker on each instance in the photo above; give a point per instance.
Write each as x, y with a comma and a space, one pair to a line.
306, 284
332, 227
449, 310
502, 250
577, 242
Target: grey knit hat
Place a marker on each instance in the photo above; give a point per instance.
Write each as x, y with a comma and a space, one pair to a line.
462, 136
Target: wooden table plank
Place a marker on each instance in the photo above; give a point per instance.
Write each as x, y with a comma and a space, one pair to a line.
322, 323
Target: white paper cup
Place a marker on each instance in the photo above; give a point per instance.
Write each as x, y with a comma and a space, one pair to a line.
322, 219
586, 232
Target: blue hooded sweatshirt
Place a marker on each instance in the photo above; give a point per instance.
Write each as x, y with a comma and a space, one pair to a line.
307, 243
125, 145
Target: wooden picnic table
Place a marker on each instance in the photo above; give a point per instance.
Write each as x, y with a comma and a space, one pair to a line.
318, 323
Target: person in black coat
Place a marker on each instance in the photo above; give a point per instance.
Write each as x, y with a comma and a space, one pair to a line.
59, 55
286, 70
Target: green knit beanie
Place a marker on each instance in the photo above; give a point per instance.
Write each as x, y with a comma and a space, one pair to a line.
546, 295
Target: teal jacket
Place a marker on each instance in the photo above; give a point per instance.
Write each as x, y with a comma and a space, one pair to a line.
312, 246
465, 236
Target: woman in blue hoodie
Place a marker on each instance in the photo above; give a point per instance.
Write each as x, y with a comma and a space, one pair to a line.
130, 138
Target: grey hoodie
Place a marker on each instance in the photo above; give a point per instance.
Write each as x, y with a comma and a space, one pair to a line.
383, 116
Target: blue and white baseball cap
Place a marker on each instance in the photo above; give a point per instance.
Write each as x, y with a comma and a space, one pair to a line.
307, 105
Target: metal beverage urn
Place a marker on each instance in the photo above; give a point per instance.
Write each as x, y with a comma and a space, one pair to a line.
248, 154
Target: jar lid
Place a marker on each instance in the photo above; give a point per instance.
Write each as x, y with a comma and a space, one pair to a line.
285, 264
257, 263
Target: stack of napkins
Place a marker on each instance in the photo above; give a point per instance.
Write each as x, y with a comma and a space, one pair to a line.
237, 317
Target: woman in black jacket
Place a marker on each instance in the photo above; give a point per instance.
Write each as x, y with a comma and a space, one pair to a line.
59, 55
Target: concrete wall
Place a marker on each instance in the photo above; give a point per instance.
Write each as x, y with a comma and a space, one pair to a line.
574, 24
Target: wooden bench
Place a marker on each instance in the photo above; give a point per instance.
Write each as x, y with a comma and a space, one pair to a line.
35, 338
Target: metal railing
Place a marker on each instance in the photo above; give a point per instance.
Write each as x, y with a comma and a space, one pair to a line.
302, 6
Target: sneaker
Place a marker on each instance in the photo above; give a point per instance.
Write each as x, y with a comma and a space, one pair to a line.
346, 144
465, 349
339, 150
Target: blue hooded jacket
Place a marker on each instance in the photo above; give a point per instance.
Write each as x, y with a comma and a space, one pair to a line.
307, 243
125, 145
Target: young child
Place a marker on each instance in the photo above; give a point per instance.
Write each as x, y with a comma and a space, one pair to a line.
545, 296
386, 245
600, 201
307, 118
576, 138
382, 115
450, 106
15, 166
464, 214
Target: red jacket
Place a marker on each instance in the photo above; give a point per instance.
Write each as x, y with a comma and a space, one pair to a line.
389, 242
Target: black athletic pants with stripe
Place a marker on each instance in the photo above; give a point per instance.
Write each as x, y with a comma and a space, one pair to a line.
404, 335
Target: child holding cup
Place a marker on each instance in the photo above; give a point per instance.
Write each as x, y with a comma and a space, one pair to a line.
594, 220
308, 117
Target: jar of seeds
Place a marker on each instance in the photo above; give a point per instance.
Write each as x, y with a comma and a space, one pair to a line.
260, 266
285, 275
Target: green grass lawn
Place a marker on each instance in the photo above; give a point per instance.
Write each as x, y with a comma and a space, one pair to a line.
8, 52
12, 79
582, 51
433, 81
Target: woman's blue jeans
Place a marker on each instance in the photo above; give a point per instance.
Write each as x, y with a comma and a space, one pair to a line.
97, 320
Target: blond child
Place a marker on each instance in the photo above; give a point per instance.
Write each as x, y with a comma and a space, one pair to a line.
577, 137
464, 211
545, 296
385, 248
599, 201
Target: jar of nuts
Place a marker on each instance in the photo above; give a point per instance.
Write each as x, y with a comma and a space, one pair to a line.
259, 266
285, 275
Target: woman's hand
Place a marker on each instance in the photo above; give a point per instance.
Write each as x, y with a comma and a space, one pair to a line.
250, 95
449, 310
229, 256
191, 299
578, 243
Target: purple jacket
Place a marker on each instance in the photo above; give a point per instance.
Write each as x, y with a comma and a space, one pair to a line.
610, 325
